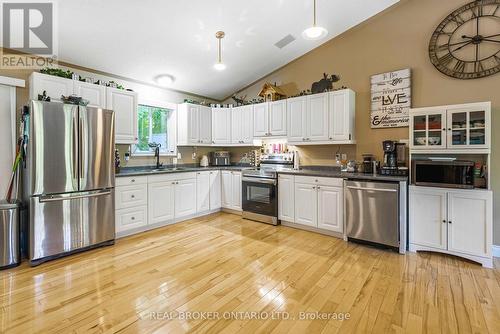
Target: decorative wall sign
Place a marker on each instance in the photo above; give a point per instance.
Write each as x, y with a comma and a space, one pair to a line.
391, 99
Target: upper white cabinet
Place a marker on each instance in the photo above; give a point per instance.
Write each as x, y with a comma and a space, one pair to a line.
342, 110
124, 104
95, 94
325, 118
261, 120
242, 125
221, 125
455, 127
194, 125
270, 119
457, 222
54, 86
308, 118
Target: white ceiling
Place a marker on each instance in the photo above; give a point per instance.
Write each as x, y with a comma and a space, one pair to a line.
142, 39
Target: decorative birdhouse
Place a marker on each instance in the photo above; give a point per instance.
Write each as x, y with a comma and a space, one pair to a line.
271, 92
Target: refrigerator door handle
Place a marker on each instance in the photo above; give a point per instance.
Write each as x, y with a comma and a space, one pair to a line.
76, 147
64, 197
82, 155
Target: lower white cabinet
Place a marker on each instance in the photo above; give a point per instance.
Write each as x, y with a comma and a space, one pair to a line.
312, 201
286, 197
208, 191
185, 197
131, 218
457, 222
215, 190
231, 190
131, 203
161, 201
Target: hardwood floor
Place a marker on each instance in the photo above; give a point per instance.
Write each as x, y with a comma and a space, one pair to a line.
222, 263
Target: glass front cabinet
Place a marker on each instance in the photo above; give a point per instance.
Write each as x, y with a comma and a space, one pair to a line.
431, 128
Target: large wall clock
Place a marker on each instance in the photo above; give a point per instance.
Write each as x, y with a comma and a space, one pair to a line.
466, 45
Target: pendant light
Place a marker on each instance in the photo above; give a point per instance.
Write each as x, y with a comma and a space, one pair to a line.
219, 65
314, 32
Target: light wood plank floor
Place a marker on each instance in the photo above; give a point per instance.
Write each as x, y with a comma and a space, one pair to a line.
222, 263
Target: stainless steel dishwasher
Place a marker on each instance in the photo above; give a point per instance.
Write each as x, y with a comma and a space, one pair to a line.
372, 212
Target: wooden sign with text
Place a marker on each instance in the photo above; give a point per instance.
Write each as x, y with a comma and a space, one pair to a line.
391, 99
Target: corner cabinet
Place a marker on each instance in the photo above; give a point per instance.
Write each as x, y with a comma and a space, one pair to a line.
457, 222
459, 127
221, 125
124, 104
325, 118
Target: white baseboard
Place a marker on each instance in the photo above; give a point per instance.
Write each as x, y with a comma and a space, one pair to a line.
496, 251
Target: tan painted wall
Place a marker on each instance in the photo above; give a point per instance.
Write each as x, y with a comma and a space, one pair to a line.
395, 39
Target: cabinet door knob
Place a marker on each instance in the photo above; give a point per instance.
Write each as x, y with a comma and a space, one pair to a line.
444, 129
318, 187
449, 129
133, 180
133, 196
331, 138
132, 218
444, 221
449, 222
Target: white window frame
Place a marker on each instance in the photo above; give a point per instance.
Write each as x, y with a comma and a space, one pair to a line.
171, 130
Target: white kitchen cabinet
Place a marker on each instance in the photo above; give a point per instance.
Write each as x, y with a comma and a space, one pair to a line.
95, 94
317, 117
205, 126
261, 120
286, 197
342, 115
470, 222
231, 190
194, 125
54, 86
454, 127
242, 125
330, 208
297, 119
428, 221
221, 125
161, 200
457, 222
319, 203
215, 190
277, 118
131, 218
130, 196
306, 204
185, 198
202, 191
124, 104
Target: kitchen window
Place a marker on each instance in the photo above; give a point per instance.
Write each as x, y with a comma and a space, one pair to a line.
156, 124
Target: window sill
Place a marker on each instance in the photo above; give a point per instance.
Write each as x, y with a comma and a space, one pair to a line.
138, 154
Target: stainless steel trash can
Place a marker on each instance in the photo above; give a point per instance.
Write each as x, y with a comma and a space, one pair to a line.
10, 248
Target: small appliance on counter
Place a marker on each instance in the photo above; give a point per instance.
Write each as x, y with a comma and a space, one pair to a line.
394, 159
367, 163
204, 161
220, 158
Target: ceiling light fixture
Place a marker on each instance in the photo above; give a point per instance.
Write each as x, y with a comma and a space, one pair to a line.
314, 32
219, 65
164, 80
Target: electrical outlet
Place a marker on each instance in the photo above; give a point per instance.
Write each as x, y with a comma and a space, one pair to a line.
193, 156
179, 155
344, 156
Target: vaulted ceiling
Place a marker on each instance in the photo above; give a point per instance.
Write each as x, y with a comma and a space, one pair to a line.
143, 39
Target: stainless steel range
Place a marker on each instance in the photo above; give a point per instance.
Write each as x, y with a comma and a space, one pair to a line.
260, 188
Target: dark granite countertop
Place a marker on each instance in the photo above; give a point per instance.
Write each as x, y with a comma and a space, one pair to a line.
150, 170
327, 171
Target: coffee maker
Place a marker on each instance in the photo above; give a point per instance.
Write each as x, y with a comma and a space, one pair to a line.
394, 159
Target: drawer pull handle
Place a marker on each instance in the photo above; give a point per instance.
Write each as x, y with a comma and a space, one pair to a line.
133, 180
133, 196
133, 218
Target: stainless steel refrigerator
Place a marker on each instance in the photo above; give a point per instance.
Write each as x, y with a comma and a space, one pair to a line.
68, 179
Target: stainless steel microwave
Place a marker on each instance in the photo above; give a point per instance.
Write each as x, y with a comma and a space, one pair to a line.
443, 173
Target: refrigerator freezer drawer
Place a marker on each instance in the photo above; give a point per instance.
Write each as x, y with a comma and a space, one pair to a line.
66, 223
372, 212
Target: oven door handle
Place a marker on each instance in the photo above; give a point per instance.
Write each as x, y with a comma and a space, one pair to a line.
259, 180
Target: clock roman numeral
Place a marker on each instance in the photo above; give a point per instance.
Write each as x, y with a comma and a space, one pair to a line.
446, 59
458, 20
497, 58
496, 9
459, 66
479, 9
443, 47
478, 66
